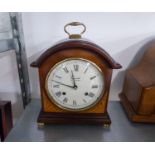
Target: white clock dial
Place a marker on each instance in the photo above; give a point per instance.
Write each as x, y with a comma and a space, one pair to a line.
75, 84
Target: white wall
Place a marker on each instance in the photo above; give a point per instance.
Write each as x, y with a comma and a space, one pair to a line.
5, 26
121, 34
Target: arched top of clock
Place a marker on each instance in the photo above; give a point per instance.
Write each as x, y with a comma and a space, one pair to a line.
77, 43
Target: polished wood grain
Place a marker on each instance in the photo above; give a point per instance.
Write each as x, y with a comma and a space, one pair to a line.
72, 53
139, 88
131, 113
77, 43
74, 49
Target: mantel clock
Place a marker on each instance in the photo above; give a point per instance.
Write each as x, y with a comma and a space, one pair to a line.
75, 76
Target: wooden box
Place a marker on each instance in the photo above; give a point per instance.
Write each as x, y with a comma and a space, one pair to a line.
5, 118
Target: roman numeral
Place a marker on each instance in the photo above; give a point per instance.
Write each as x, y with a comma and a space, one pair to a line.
74, 103
55, 86
84, 101
86, 68
76, 67
59, 77
91, 94
58, 94
65, 100
94, 86
93, 77
65, 69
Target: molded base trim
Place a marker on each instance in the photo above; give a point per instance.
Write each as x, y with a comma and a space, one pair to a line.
133, 116
70, 118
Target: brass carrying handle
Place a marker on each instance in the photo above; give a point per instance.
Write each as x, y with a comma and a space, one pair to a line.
75, 24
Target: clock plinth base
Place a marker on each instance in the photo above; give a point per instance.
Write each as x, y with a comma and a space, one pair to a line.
79, 118
132, 115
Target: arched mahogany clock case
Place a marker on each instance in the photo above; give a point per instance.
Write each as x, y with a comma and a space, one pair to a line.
75, 47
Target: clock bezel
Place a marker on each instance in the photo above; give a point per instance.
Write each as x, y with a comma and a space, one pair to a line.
78, 109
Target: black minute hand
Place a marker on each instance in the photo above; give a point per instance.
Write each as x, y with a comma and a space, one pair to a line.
73, 78
63, 84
